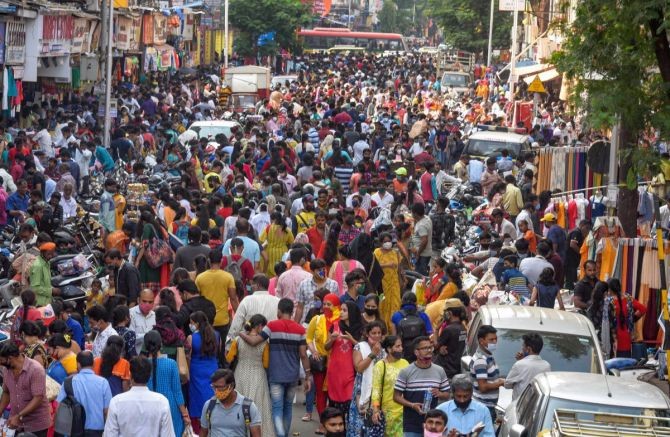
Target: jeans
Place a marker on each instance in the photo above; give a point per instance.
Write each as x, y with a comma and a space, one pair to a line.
223, 333
422, 265
282, 395
310, 398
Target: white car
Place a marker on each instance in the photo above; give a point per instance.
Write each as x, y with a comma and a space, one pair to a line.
570, 340
208, 129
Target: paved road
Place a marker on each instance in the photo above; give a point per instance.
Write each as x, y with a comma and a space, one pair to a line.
297, 425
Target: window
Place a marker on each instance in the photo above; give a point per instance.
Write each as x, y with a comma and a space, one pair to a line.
528, 405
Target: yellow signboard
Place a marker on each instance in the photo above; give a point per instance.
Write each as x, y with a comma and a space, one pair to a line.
536, 86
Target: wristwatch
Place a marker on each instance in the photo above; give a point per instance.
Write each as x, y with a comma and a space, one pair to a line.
21, 418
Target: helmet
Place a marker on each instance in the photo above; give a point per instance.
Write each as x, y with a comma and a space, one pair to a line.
455, 205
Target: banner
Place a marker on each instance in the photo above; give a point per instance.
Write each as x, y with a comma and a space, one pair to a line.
124, 27
15, 43
80, 36
160, 29
187, 32
136, 34
148, 29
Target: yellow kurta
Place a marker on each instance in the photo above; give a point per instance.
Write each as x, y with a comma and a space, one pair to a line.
278, 242
384, 375
390, 284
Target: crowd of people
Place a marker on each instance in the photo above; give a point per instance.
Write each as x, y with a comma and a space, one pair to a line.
298, 235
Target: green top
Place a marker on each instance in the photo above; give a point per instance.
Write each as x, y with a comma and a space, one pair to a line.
40, 281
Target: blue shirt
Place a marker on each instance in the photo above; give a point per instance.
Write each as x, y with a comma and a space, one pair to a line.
464, 421
556, 235
360, 300
93, 393
252, 250
77, 332
102, 155
17, 203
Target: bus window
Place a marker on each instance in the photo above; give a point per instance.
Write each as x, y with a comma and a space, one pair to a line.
347, 41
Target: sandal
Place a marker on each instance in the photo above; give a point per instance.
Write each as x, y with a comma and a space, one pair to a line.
307, 417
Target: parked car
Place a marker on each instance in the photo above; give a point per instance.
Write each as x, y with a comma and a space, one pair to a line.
533, 413
489, 141
281, 80
208, 129
570, 341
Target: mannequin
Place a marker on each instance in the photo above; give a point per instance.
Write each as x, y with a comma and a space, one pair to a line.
598, 205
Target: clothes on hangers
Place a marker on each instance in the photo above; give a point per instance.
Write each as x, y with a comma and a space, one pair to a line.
582, 204
598, 207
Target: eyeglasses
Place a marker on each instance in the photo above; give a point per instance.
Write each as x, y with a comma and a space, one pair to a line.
426, 349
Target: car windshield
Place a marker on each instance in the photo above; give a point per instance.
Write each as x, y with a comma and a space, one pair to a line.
455, 80
565, 353
210, 131
563, 404
479, 147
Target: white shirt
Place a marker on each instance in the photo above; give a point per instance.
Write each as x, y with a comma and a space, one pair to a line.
532, 268
359, 147
384, 202
261, 302
44, 140
69, 207
260, 221
7, 181
416, 149
141, 324
101, 340
83, 158
523, 372
139, 412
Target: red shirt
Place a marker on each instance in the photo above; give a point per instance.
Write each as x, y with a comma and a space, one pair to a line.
246, 267
623, 336
315, 238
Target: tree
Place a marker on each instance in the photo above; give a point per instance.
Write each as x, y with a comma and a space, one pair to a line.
619, 56
392, 20
257, 17
465, 24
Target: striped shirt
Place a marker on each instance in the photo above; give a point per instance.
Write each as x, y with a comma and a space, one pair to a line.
414, 382
483, 366
285, 337
313, 135
343, 174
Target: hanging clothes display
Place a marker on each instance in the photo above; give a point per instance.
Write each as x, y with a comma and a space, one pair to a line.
598, 205
637, 266
563, 169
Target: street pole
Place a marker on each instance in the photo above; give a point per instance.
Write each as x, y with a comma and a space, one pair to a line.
349, 16
488, 58
225, 35
108, 77
512, 75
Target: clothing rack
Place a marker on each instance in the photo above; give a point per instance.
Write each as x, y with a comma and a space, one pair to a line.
583, 190
566, 169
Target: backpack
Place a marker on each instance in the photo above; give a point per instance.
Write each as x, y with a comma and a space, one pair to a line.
70, 417
182, 230
410, 327
234, 267
246, 411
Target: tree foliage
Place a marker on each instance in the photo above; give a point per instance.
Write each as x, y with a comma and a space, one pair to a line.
618, 55
392, 19
465, 24
256, 17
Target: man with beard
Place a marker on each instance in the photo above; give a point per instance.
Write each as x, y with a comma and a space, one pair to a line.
584, 288
463, 412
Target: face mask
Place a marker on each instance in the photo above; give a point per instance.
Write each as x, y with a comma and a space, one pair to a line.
361, 289
427, 433
321, 273
336, 434
363, 191
492, 347
145, 308
192, 327
462, 405
396, 354
223, 394
382, 191
371, 312
355, 203
387, 245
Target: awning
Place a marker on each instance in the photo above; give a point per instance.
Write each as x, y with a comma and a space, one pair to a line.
531, 69
544, 76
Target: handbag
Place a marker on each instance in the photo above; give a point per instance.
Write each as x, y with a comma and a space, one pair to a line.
370, 428
182, 364
52, 388
317, 365
158, 252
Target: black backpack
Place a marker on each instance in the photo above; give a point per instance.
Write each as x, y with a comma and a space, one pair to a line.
410, 327
246, 411
70, 417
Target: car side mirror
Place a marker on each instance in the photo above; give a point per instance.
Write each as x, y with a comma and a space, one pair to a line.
614, 372
517, 431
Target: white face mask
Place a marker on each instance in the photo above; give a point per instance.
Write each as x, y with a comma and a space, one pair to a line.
387, 245
492, 347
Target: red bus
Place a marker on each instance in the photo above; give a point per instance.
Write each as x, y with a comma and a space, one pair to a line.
324, 38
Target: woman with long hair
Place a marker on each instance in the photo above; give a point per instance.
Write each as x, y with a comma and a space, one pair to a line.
172, 337
167, 297
454, 282
389, 260
27, 312
202, 219
149, 230
627, 311
120, 322
276, 239
112, 366
344, 264
366, 354
340, 375
384, 375
165, 380
31, 335
330, 246
204, 346
413, 195
546, 291
371, 311
437, 280
201, 263
250, 371
180, 224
